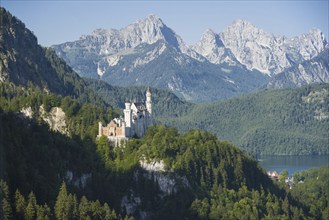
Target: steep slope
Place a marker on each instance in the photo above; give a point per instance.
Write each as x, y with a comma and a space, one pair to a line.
23, 60
273, 122
311, 71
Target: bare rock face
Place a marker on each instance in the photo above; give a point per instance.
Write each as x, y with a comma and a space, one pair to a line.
267, 53
258, 49
311, 71
212, 47
27, 112
167, 181
79, 181
55, 119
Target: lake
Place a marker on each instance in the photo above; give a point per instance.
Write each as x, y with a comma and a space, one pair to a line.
293, 163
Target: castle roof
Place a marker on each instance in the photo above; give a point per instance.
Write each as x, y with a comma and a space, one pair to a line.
140, 106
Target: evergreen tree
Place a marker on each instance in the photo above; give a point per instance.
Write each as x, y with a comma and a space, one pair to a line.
31, 208
20, 204
43, 212
84, 208
62, 205
108, 214
5, 209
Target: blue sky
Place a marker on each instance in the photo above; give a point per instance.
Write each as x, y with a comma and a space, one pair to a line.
55, 22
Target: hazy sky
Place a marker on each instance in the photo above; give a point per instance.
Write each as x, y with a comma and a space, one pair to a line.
55, 22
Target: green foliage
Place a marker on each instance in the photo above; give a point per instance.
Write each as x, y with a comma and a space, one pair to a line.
19, 204
63, 204
314, 191
31, 208
283, 175
5, 207
269, 122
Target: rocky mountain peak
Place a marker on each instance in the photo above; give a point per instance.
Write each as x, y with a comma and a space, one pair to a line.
155, 20
318, 39
211, 38
260, 50
240, 23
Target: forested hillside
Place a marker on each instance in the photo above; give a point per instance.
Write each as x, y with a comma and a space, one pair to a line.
280, 122
199, 174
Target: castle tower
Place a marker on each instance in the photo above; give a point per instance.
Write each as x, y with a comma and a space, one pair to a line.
128, 118
148, 101
100, 126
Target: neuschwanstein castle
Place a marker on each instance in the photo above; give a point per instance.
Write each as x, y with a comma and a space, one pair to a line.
137, 117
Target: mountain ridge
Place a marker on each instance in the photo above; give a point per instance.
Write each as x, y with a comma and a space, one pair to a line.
124, 57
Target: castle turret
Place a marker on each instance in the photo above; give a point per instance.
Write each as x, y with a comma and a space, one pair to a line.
100, 126
128, 118
148, 101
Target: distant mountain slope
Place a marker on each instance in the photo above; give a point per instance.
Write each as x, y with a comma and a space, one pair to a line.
276, 122
151, 54
311, 71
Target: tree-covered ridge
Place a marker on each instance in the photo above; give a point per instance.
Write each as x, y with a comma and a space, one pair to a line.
269, 122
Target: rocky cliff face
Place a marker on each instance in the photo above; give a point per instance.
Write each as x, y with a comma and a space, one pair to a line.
260, 50
55, 119
311, 71
168, 183
212, 47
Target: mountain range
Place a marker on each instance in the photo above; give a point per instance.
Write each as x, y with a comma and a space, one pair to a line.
241, 59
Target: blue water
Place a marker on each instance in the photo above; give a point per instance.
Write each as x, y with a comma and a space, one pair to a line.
293, 163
